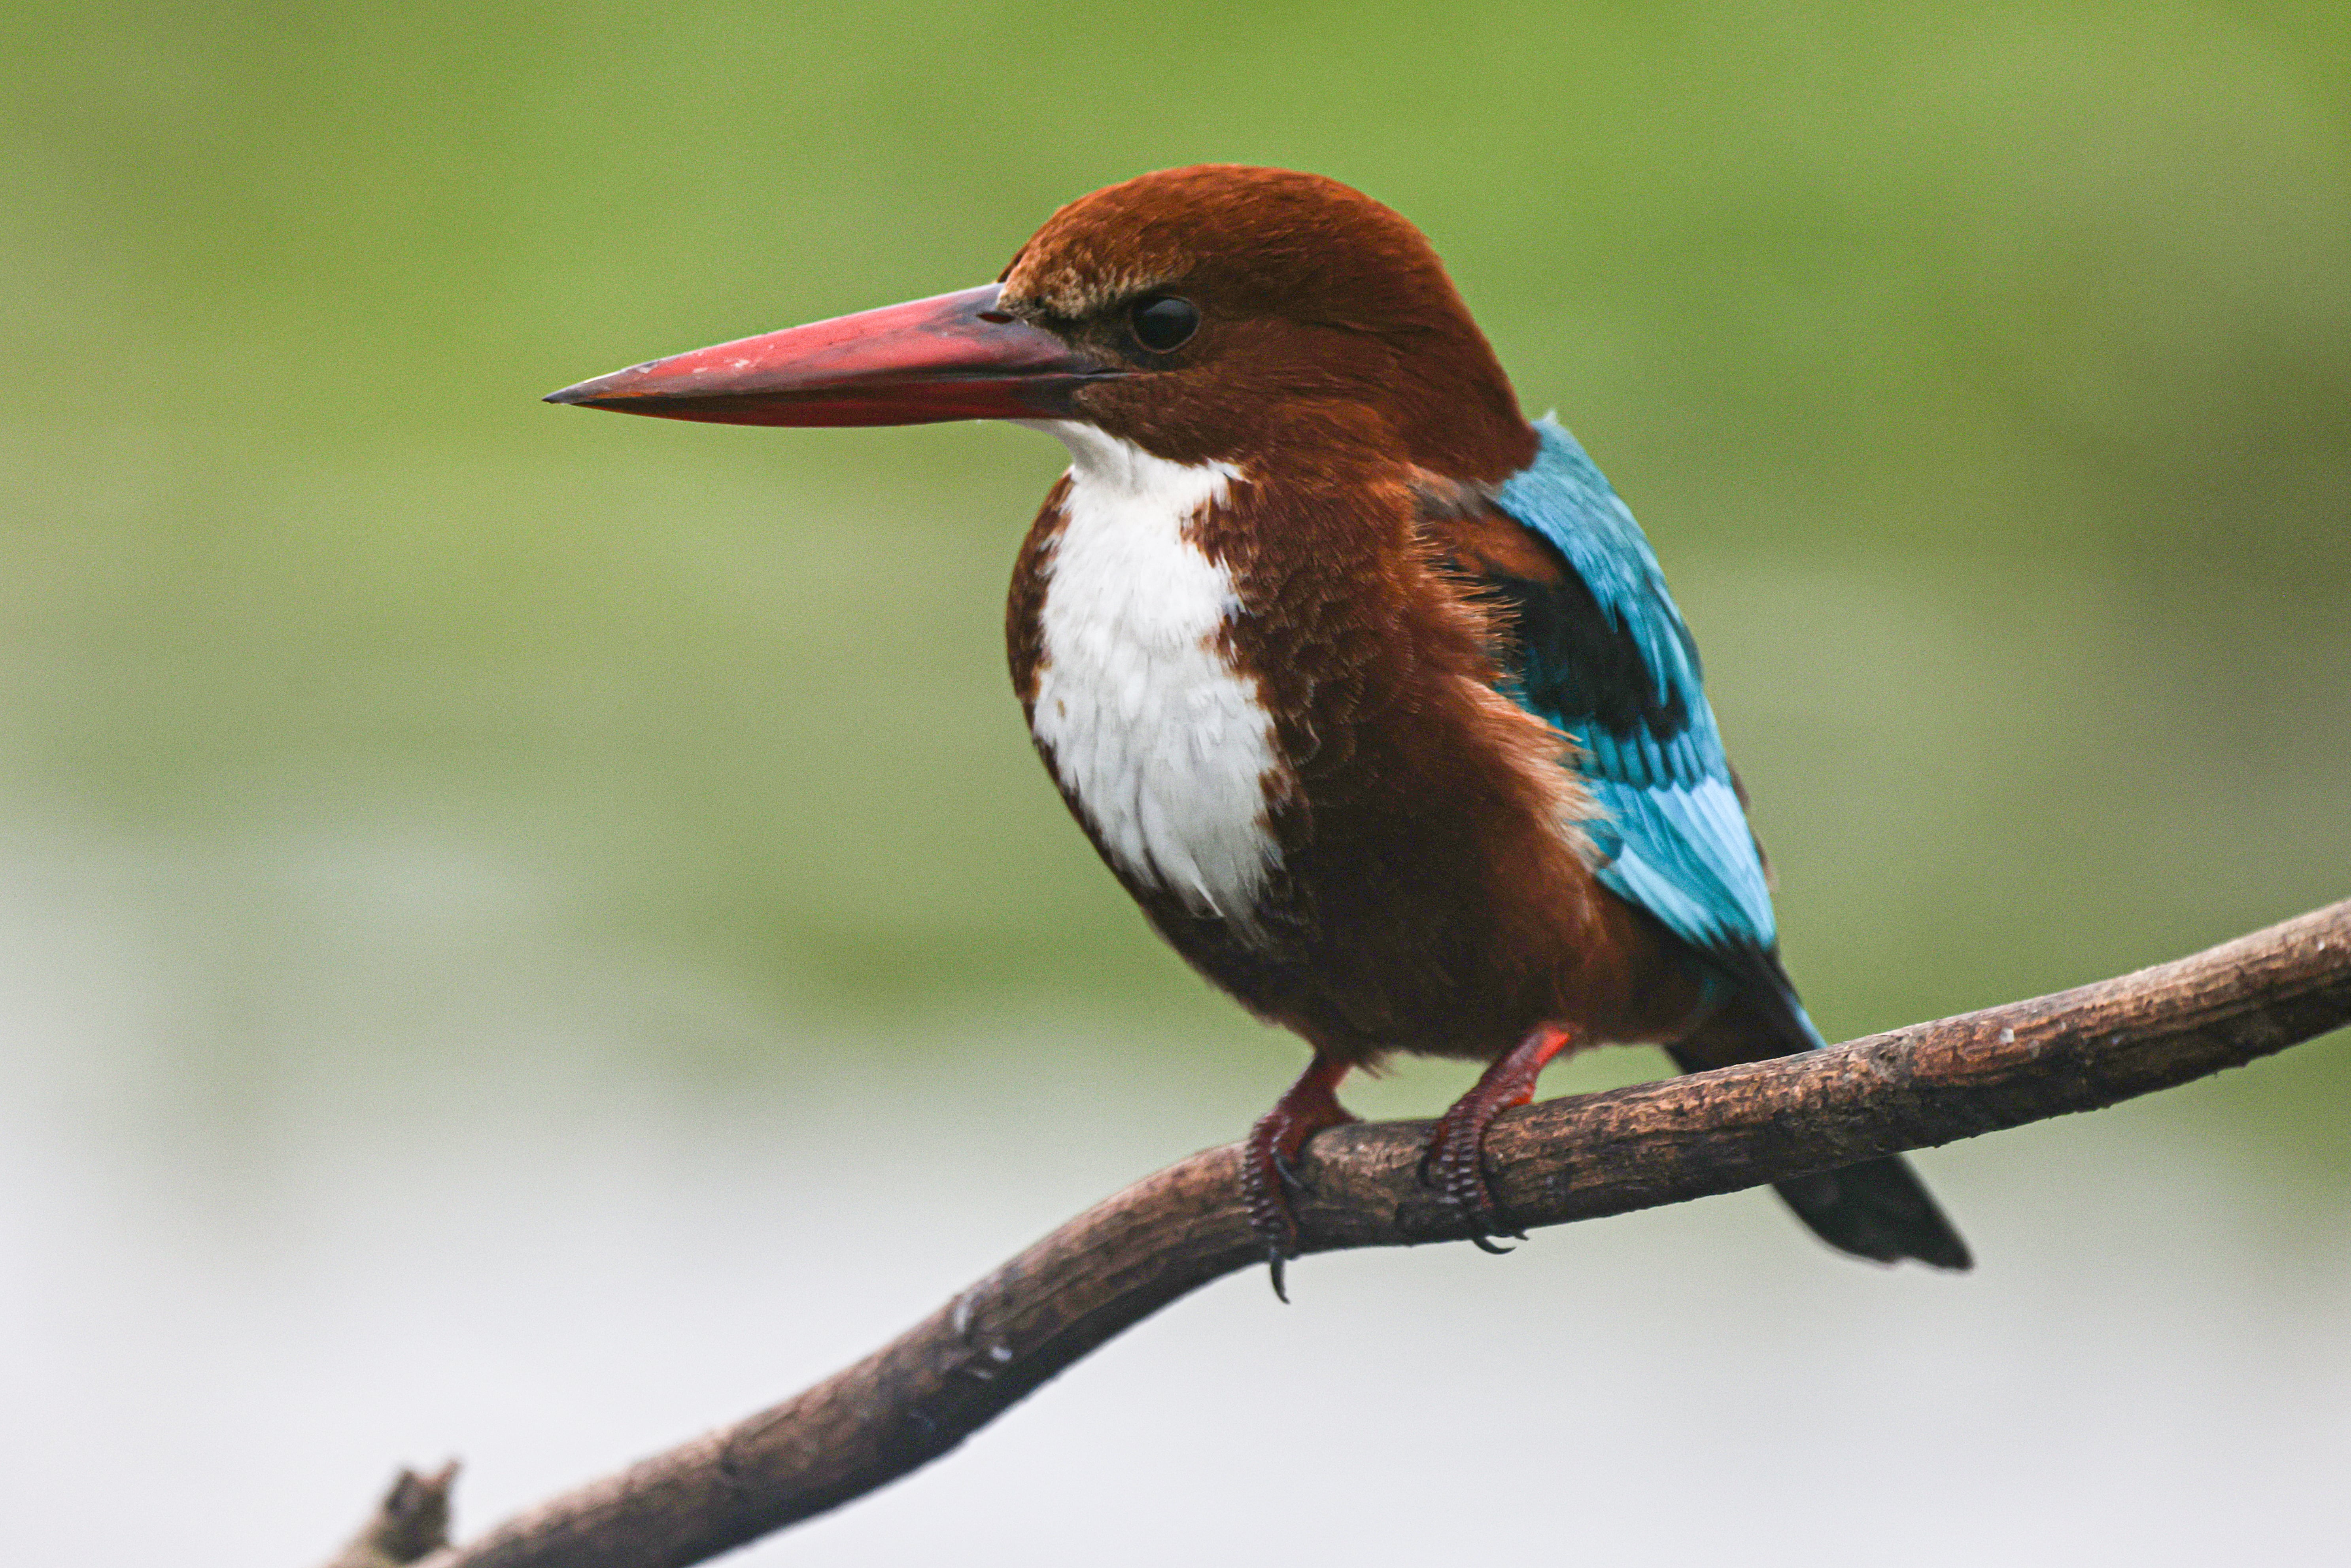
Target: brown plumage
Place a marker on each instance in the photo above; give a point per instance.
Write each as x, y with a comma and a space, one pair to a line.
1330, 328
1431, 896
1266, 631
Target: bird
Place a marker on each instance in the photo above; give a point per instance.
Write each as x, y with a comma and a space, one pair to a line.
1366, 687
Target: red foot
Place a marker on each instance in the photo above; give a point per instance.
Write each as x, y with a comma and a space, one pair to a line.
1274, 1144
1454, 1160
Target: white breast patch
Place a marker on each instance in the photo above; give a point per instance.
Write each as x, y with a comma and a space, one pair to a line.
1165, 745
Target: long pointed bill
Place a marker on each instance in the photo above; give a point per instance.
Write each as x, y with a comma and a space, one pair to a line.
952, 356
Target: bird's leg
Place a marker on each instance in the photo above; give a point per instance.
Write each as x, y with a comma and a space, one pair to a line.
1454, 1160
1309, 1105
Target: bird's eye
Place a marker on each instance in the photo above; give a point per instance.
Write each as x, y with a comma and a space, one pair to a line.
1162, 321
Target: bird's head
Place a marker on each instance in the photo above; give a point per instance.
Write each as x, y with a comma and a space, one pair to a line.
1216, 313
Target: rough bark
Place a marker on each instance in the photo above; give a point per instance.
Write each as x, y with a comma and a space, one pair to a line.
1569, 1159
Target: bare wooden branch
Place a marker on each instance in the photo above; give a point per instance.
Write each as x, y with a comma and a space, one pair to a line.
410, 1523
1570, 1159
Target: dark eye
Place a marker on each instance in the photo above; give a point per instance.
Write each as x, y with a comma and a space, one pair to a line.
1162, 321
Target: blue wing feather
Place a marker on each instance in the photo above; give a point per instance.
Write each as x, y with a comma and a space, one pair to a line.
1601, 653
1613, 665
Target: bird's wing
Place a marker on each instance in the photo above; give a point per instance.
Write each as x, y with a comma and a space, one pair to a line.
1600, 650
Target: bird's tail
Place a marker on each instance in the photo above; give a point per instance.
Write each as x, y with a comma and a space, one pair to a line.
1879, 1208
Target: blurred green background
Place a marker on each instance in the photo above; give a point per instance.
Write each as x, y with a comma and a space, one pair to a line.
1982, 373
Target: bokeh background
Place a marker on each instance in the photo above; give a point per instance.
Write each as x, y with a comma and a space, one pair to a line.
526, 934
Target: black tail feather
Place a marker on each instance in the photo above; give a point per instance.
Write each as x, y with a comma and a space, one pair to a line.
1879, 1208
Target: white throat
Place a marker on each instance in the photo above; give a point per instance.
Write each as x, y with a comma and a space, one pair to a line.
1165, 748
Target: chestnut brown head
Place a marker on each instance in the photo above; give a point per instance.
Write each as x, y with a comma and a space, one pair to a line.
1214, 312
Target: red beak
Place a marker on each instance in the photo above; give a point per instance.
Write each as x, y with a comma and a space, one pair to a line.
952, 356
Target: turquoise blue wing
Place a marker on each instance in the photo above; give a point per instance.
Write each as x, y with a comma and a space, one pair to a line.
1603, 654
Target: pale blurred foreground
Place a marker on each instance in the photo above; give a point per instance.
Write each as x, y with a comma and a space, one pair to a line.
515, 1241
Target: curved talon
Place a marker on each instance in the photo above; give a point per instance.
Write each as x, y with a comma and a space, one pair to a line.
1289, 1176
1499, 1220
1486, 1245
1269, 1161
1454, 1159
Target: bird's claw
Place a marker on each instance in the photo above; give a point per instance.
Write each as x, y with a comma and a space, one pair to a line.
1273, 1268
1269, 1176
1290, 1179
1454, 1154
1453, 1161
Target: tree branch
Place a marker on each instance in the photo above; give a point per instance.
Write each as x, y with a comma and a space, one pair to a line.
411, 1522
1576, 1158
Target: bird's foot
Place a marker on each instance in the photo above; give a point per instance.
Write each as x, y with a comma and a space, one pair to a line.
1270, 1160
1453, 1161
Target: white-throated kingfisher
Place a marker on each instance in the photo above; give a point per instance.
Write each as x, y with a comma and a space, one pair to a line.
1369, 691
